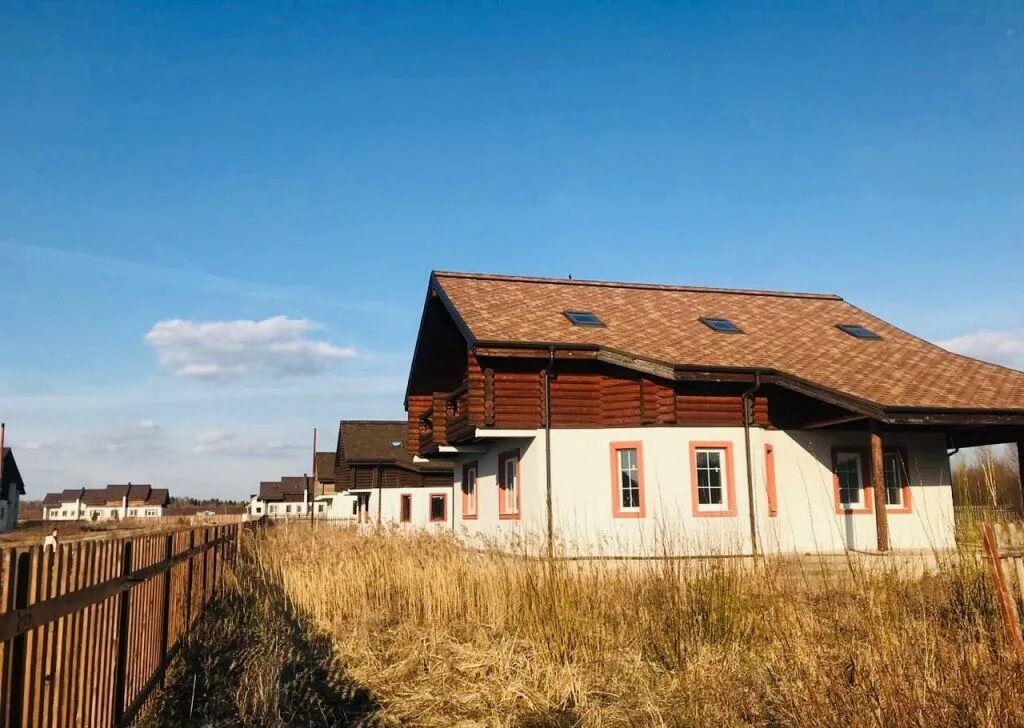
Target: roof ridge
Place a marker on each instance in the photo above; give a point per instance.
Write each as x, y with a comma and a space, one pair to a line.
373, 422
641, 286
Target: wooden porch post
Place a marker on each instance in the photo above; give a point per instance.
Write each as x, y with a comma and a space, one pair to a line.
878, 486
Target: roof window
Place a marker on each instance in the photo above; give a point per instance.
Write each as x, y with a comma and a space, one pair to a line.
721, 325
396, 443
583, 318
857, 331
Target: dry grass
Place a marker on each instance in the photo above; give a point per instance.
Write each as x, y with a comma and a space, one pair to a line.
441, 636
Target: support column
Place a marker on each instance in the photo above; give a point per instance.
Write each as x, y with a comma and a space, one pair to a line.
878, 486
1020, 471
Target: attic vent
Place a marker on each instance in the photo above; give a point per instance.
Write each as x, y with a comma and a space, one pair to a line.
396, 443
721, 325
583, 318
857, 331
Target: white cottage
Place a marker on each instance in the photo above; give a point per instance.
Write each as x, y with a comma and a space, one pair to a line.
629, 419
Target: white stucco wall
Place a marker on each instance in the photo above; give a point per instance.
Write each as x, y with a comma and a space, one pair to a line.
807, 520
385, 505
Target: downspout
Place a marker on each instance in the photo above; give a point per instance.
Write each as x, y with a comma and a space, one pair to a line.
548, 375
747, 417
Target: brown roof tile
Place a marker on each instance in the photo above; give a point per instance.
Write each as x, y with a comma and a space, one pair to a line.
325, 467
792, 334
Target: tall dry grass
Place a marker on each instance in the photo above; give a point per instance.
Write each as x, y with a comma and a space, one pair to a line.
442, 636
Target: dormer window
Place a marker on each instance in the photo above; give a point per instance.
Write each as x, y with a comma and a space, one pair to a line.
857, 331
583, 318
721, 325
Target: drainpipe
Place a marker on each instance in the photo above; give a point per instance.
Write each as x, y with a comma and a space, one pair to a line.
548, 375
748, 412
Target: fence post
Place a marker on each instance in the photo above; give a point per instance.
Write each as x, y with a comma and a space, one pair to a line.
1007, 608
165, 632
15, 693
188, 586
123, 620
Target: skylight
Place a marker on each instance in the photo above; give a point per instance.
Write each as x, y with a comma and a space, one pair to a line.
721, 325
583, 318
396, 443
857, 331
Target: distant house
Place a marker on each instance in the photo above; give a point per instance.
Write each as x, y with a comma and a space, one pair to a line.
631, 419
372, 477
289, 497
115, 502
382, 481
12, 487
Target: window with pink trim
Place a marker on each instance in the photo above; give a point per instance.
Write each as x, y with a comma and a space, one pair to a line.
405, 508
509, 485
438, 508
712, 479
627, 466
469, 491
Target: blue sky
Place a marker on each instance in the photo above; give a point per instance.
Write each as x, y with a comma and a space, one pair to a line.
169, 170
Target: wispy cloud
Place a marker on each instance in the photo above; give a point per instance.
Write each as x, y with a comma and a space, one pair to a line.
222, 350
1001, 347
213, 441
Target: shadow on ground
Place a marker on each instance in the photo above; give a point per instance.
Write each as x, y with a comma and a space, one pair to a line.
251, 662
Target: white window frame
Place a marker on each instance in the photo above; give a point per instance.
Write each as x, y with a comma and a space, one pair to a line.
723, 478
859, 503
623, 470
887, 457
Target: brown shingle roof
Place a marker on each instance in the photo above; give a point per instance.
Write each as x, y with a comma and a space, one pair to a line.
289, 488
791, 334
325, 467
376, 440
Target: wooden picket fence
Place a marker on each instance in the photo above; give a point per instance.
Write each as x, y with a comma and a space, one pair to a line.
86, 633
1004, 552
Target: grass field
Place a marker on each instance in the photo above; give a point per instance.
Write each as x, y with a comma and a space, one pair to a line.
325, 627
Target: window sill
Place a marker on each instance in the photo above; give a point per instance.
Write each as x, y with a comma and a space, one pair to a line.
714, 514
508, 516
628, 514
469, 516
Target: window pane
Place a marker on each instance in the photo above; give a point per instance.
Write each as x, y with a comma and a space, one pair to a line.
437, 508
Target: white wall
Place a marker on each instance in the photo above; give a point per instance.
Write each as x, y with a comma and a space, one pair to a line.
385, 506
806, 522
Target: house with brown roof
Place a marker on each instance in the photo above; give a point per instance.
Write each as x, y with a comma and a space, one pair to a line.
626, 419
379, 479
12, 487
114, 502
289, 497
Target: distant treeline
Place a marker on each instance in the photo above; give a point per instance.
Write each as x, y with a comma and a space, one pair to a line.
987, 476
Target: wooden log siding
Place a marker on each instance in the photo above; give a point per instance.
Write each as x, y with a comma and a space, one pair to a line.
87, 632
418, 405
500, 399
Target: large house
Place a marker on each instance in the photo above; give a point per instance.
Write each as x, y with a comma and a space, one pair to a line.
114, 502
12, 487
627, 419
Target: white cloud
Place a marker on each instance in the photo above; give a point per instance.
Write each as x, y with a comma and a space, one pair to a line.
213, 441
142, 435
222, 350
1000, 347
